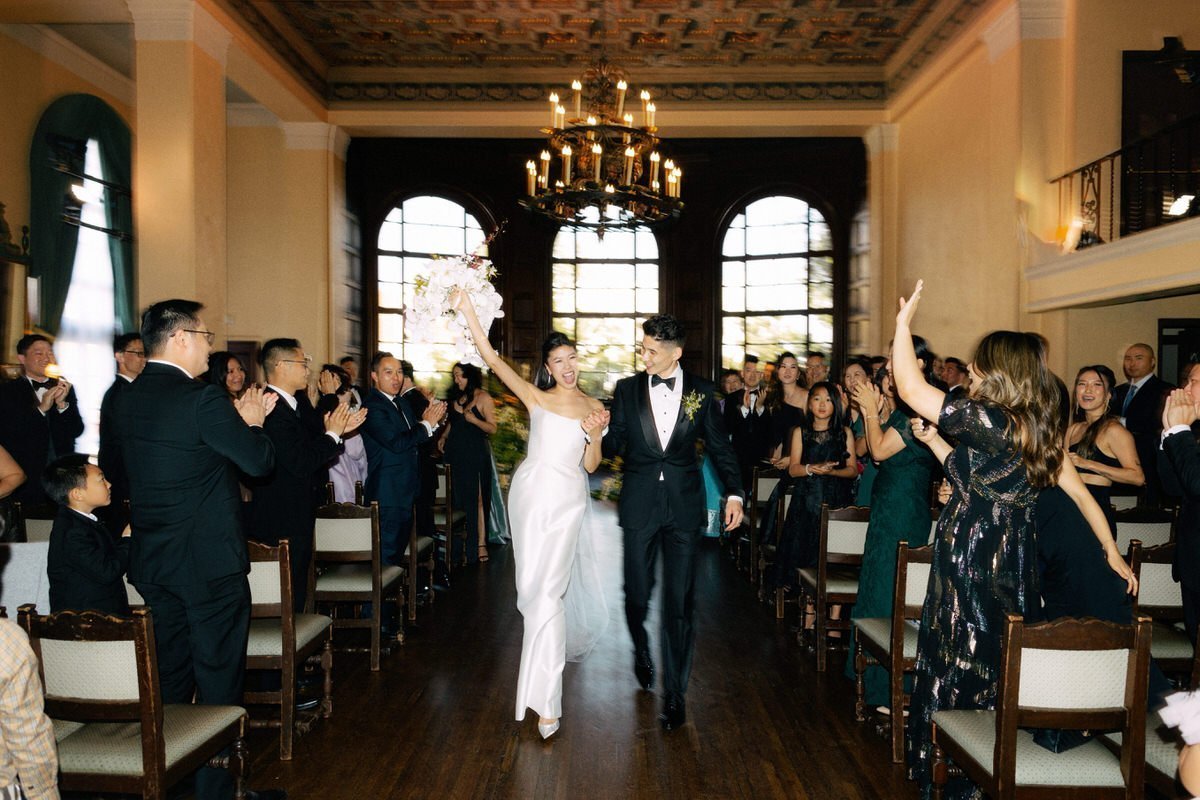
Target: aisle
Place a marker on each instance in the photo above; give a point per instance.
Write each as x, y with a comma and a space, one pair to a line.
437, 722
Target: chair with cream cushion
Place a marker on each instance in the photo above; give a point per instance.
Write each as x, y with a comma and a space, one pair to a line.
762, 483
284, 641
352, 570
891, 642
449, 523
1150, 525
1068, 674
114, 733
1160, 598
834, 580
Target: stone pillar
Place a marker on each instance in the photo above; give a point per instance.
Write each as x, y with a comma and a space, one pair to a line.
179, 155
883, 199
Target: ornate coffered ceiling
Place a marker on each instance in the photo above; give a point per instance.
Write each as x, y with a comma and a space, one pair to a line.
367, 52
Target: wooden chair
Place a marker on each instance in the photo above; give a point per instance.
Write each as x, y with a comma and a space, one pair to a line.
448, 522
359, 495
1151, 525
1160, 598
891, 642
423, 555
834, 581
283, 641
1068, 674
114, 733
771, 548
763, 482
347, 545
1123, 502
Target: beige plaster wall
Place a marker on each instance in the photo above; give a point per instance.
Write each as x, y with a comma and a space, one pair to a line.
1103, 333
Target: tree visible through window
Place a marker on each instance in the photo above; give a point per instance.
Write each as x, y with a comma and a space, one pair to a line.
776, 281
415, 233
602, 292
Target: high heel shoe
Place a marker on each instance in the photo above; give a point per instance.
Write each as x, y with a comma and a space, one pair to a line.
547, 729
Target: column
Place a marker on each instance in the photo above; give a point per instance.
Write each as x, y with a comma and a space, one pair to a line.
883, 199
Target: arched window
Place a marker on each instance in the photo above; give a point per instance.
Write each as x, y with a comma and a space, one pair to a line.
603, 290
415, 233
776, 281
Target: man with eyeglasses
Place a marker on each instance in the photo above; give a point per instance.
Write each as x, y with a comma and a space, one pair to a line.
184, 444
285, 500
39, 417
130, 356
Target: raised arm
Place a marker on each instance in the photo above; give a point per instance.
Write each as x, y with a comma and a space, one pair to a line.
526, 392
910, 384
927, 433
1073, 485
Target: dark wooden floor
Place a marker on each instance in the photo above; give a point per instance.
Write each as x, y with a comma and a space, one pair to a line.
438, 722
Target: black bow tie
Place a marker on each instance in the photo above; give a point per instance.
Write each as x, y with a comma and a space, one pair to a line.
40, 384
655, 380
752, 391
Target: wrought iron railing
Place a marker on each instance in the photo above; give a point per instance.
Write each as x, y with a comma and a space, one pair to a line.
1147, 183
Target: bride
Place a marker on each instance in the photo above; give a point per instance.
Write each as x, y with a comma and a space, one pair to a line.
558, 583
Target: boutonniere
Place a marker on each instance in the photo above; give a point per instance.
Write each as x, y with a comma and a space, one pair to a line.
691, 404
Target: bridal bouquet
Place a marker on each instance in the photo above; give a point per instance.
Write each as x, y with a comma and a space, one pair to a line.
432, 301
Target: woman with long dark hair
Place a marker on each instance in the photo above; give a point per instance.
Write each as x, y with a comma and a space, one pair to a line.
227, 371
900, 495
822, 471
1100, 448
467, 451
559, 590
1008, 449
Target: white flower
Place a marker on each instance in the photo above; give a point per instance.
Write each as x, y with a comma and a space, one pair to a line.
431, 301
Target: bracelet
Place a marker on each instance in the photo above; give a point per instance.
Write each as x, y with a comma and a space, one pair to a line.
807, 470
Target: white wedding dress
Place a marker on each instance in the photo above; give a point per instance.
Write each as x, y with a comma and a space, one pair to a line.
559, 590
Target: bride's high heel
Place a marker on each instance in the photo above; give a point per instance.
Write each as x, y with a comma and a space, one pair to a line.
547, 729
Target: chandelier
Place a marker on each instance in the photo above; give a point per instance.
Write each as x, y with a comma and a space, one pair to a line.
598, 171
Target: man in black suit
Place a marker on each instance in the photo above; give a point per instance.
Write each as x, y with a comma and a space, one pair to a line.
284, 501
426, 460
183, 442
39, 417
1139, 404
956, 376
657, 417
392, 436
746, 422
130, 356
1179, 469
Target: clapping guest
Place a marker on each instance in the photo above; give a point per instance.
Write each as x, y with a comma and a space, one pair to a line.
1100, 448
854, 373
39, 417
816, 368
285, 500
85, 565
1179, 468
350, 467
745, 422
984, 559
900, 493
822, 470
786, 400
130, 355
730, 383
227, 371
467, 451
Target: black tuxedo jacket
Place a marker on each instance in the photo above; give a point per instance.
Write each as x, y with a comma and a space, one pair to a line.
85, 565
28, 435
109, 457
392, 445
633, 436
285, 499
1144, 417
426, 460
751, 433
183, 444
1179, 470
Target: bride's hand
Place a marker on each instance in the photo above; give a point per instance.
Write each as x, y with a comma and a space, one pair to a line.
908, 308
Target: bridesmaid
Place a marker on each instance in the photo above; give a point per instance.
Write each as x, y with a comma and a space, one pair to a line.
467, 451
985, 558
1100, 447
901, 495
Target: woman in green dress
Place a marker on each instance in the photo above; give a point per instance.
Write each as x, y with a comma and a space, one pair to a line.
899, 505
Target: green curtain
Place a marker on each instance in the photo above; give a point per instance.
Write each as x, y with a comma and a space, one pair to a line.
52, 242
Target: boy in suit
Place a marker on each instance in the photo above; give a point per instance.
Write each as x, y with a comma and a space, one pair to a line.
84, 564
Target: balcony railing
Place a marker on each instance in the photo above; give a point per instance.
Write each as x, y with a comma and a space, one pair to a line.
1147, 183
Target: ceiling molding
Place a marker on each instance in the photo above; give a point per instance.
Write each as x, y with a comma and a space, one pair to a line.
71, 57
942, 33
162, 20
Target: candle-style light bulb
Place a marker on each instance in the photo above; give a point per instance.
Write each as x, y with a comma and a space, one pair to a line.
655, 158
554, 109
560, 117
545, 167
597, 152
566, 161
629, 154
621, 87
650, 109
577, 88
530, 177
678, 181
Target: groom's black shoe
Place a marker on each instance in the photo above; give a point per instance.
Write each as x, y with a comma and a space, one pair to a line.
673, 714
643, 668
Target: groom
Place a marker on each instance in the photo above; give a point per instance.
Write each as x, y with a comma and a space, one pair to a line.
657, 417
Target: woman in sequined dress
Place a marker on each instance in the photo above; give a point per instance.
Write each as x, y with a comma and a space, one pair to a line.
985, 557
